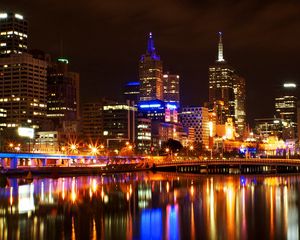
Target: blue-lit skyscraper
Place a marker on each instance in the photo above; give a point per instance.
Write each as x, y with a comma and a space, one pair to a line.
151, 74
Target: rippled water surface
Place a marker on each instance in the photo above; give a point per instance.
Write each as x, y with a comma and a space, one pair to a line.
151, 206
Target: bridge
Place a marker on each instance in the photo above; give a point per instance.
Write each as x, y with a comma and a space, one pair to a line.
18, 160
32, 161
232, 165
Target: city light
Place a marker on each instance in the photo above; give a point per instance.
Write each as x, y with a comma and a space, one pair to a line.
3, 15
289, 85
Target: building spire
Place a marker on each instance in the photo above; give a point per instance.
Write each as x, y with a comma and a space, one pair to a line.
150, 46
220, 49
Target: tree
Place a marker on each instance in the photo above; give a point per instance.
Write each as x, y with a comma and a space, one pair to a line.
173, 145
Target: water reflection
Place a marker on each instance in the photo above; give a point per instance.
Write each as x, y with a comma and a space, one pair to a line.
151, 206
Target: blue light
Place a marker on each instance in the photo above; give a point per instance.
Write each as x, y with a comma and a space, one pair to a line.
133, 84
243, 180
151, 224
150, 105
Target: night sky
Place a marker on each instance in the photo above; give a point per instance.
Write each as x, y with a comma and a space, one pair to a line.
104, 40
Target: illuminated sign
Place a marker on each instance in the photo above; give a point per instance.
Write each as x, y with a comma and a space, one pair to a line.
63, 60
154, 105
26, 132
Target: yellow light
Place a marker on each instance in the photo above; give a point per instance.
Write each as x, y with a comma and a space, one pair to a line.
167, 150
73, 147
191, 148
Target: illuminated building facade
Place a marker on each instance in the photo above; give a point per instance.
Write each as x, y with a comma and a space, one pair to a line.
196, 119
23, 90
157, 110
171, 88
286, 110
266, 127
13, 34
3, 115
143, 136
119, 123
239, 88
227, 92
151, 74
63, 95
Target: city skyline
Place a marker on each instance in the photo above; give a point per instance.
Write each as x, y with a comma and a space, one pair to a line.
252, 51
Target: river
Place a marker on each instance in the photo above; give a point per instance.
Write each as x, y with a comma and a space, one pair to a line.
148, 205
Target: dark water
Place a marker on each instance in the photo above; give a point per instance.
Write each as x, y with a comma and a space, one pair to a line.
151, 206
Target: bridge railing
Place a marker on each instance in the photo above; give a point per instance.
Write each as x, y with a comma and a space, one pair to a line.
231, 160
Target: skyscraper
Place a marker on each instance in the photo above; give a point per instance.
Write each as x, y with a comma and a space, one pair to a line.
63, 95
13, 34
151, 74
226, 92
23, 90
171, 88
239, 88
221, 93
286, 109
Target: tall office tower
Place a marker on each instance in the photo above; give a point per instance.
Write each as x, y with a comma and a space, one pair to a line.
221, 90
92, 121
171, 88
13, 34
23, 90
196, 119
132, 92
227, 92
239, 87
151, 74
63, 96
286, 109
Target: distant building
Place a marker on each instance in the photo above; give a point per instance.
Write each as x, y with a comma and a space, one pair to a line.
239, 89
63, 96
266, 127
171, 89
143, 135
158, 110
119, 124
196, 121
23, 90
92, 121
13, 34
151, 74
132, 91
286, 110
